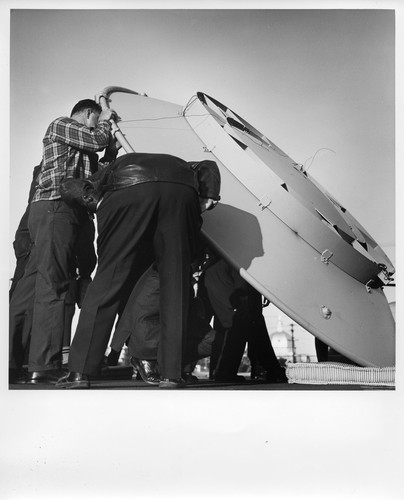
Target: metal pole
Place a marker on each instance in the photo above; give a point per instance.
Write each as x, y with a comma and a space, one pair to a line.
293, 343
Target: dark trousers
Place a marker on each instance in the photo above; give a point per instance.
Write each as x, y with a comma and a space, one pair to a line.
321, 350
259, 344
239, 320
22, 249
139, 325
136, 225
37, 306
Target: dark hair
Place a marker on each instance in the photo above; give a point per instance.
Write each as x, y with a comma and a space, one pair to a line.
86, 104
79, 192
209, 179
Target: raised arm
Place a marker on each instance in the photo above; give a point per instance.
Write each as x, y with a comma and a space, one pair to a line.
70, 132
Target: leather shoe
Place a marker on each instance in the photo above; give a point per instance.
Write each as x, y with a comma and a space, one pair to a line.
17, 376
170, 383
47, 377
73, 380
147, 369
189, 378
279, 377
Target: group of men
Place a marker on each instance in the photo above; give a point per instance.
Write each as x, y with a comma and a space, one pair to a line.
148, 211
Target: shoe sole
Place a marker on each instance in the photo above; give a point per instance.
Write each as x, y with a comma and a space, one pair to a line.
74, 385
172, 385
41, 382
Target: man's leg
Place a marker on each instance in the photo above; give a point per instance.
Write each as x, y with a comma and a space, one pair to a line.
70, 309
22, 248
321, 350
259, 344
140, 321
20, 266
20, 315
53, 226
221, 282
175, 241
124, 218
235, 340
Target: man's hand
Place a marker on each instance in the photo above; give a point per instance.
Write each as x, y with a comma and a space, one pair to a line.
100, 95
108, 114
207, 204
111, 151
114, 146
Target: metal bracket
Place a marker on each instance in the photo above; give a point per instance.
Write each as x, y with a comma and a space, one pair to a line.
326, 256
326, 312
265, 202
385, 275
374, 284
298, 166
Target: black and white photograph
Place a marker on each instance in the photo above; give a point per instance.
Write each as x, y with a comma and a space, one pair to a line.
202, 216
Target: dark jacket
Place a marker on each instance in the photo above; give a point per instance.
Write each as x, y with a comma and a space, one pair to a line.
136, 168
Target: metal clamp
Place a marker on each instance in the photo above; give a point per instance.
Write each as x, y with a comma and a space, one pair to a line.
326, 312
326, 256
265, 202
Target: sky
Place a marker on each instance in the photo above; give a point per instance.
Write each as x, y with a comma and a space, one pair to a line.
320, 84
319, 81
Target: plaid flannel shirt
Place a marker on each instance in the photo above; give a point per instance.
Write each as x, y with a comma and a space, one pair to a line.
69, 151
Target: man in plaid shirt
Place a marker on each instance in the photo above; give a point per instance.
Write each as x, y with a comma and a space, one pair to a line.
70, 149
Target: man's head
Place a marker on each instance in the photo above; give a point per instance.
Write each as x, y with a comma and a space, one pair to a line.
79, 192
86, 112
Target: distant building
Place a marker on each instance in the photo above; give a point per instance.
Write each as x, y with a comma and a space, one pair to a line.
284, 345
281, 341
